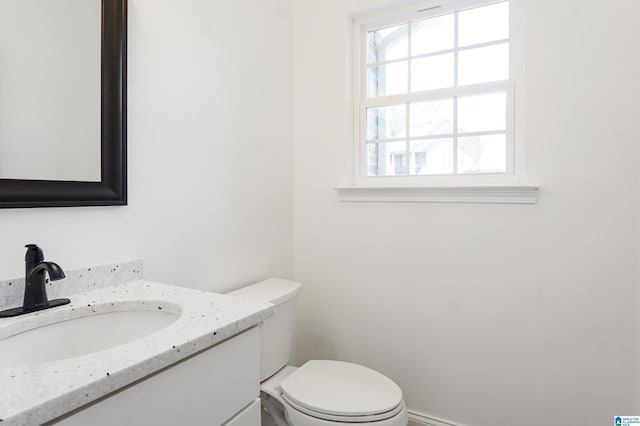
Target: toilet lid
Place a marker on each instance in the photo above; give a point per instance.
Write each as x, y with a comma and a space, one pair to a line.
338, 388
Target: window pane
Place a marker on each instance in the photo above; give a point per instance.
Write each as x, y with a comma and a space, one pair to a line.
484, 64
483, 24
482, 154
387, 159
431, 118
434, 72
432, 35
387, 80
386, 122
387, 44
431, 157
482, 112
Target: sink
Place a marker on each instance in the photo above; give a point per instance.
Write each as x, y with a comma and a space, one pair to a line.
81, 336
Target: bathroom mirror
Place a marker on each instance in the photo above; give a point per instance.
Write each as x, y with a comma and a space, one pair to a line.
63, 103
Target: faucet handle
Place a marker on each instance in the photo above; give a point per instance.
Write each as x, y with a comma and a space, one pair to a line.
34, 254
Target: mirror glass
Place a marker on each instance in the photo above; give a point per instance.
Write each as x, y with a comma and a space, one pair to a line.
50, 74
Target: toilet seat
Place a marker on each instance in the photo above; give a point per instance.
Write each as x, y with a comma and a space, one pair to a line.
342, 392
347, 419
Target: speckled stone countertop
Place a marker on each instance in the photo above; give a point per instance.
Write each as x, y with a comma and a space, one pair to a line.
37, 393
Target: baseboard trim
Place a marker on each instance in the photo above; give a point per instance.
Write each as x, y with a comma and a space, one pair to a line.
417, 419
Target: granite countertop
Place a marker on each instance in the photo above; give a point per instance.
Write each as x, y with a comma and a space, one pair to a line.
37, 393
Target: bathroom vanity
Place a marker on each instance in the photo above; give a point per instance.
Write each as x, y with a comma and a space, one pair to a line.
218, 386
200, 365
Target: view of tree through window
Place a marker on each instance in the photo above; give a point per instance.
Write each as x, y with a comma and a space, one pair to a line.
436, 94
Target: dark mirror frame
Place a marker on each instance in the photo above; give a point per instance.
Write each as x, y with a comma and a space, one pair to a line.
112, 189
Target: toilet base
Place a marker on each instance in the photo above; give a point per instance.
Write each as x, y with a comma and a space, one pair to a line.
266, 419
273, 413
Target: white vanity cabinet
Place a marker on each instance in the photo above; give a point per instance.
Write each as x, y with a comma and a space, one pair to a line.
217, 386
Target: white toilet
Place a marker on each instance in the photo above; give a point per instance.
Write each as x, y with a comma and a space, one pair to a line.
320, 393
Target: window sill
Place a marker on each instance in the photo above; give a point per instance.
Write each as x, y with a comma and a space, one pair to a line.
502, 194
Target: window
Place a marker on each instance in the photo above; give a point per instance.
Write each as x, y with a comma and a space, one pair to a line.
435, 94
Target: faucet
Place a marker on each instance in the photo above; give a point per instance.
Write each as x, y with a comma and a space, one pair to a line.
35, 290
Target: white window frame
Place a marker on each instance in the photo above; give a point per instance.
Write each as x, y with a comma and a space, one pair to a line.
371, 20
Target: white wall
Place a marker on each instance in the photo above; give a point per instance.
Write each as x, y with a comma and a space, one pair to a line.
210, 153
486, 315
636, 389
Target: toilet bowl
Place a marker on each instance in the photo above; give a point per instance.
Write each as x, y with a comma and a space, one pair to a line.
320, 392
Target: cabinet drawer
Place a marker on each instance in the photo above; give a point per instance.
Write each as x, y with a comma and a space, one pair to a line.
250, 416
205, 389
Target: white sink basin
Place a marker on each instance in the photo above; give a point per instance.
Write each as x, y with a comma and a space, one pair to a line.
81, 336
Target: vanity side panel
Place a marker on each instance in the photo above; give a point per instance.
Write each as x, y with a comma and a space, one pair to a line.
207, 388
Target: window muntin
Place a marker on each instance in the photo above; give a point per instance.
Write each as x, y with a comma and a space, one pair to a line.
438, 97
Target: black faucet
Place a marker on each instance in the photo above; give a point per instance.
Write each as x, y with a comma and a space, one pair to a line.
35, 290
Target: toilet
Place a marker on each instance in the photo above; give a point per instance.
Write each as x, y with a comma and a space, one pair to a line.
321, 392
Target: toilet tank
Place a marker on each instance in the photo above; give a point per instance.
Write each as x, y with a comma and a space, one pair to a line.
276, 333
